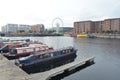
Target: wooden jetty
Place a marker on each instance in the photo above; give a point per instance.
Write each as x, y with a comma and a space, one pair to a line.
8, 71
59, 70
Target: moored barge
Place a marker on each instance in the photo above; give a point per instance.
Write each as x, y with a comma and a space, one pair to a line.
46, 59
26, 51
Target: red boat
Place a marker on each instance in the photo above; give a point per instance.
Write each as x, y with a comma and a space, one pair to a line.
25, 51
5, 48
6, 45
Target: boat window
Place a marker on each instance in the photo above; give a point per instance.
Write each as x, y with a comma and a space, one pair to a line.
13, 51
56, 53
34, 49
42, 48
72, 49
39, 48
51, 54
67, 51
24, 50
63, 51
48, 54
40, 57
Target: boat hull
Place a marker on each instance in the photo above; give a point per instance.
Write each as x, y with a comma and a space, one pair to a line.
49, 63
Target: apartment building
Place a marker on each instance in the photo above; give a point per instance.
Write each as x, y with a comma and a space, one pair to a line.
39, 28
23, 27
8, 28
83, 27
97, 26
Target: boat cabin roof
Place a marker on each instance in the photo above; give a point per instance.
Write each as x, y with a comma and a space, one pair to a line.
46, 54
40, 46
52, 51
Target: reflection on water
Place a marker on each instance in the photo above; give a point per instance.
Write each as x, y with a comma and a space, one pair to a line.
106, 51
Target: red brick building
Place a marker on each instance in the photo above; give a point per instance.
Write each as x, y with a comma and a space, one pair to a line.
115, 24
107, 25
83, 27
39, 28
97, 26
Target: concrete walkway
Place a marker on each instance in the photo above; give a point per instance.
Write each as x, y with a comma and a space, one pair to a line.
8, 71
53, 72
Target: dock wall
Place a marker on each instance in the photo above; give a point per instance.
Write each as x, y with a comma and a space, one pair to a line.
111, 36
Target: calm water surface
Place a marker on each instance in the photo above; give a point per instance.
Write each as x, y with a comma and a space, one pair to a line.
106, 51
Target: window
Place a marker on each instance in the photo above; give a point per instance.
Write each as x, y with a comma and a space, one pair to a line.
40, 57
51, 54
24, 50
47, 55
13, 51
63, 51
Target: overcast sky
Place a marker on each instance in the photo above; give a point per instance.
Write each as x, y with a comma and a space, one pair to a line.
44, 11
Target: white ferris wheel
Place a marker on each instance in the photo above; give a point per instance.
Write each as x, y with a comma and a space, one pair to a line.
57, 23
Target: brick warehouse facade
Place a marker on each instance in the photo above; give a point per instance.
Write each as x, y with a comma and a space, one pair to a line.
84, 26
97, 26
39, 28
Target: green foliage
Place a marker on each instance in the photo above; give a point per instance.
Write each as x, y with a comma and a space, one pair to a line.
107, 31
51, 31
111, 31
103, 31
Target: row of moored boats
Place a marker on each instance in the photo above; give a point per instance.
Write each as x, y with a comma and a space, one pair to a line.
31, 54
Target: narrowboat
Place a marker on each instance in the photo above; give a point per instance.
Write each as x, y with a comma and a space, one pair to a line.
7, 47
91, 36
26, 51
46, 60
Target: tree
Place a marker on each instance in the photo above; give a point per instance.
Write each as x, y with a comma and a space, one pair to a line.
103, 31
107, 31
111, 31
30, 31
51, 31
116, 31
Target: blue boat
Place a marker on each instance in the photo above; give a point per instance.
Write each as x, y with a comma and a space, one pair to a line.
91, 36
46, 60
